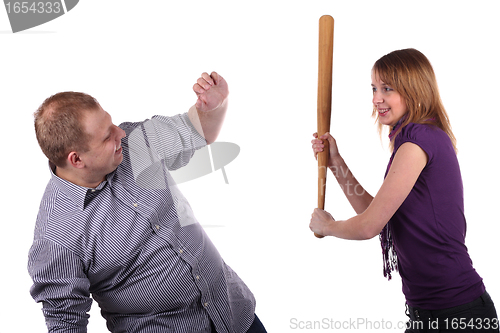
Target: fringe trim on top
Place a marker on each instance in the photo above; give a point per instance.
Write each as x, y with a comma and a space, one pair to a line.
389, 254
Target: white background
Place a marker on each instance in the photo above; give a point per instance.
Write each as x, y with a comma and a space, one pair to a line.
141, 58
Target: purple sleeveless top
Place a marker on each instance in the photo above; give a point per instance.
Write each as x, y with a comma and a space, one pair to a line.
428, 230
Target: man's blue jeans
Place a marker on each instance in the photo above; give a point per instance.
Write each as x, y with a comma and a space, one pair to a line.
256, 327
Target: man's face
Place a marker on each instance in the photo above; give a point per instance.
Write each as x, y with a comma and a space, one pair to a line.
105, 151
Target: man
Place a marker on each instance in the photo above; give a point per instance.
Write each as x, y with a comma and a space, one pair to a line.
113, 225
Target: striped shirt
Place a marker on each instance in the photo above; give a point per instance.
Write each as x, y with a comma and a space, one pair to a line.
134, 246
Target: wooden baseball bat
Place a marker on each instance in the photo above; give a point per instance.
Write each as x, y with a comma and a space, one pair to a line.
324, 100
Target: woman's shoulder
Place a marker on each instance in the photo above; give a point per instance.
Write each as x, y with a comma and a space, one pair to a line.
429, 137
422, 128
421, 132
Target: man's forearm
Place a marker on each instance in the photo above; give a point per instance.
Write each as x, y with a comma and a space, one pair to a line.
208, 124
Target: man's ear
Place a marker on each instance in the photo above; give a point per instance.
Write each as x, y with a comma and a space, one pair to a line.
74, 160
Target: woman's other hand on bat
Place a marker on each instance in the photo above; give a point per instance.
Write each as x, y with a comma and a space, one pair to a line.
318, 146
321, 221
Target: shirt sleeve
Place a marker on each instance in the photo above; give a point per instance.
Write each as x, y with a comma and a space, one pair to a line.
171, 139
60, 283
424, 136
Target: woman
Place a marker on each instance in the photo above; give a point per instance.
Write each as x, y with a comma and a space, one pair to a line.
418, 211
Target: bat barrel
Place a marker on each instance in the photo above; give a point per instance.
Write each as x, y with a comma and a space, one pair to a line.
325, 64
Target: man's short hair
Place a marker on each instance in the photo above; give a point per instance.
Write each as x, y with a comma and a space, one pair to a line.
59, 125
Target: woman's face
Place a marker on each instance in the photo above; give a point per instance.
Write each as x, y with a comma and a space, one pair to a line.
388, 102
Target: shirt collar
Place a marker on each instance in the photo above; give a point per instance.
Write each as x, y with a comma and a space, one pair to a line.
75, 193
397, 126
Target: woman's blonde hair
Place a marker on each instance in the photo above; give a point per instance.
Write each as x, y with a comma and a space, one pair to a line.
410, 73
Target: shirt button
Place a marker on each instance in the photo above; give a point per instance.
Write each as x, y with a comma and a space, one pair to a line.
206, 304
197, 277
157, 227
181, 251
136, 205
92, 190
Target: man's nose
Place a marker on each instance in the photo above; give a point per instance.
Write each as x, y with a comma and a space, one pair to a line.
121, 133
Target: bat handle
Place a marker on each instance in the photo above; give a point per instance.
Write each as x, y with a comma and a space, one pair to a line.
322, 170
